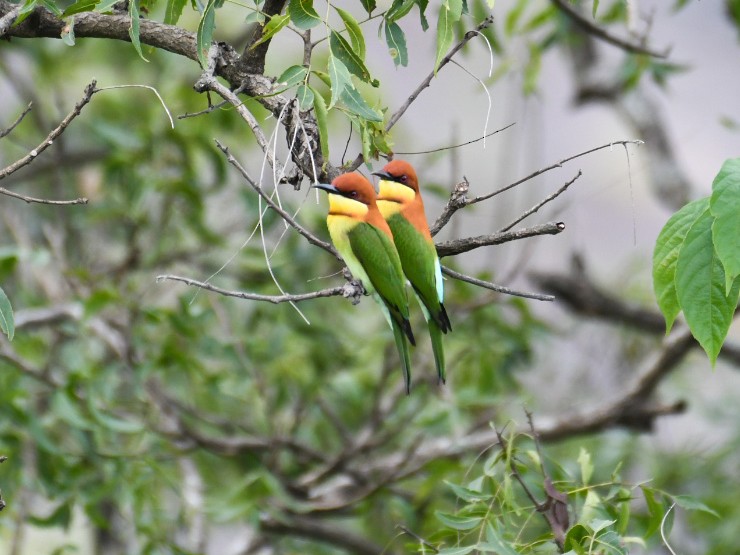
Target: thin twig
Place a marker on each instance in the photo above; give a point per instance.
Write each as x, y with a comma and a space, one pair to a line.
599, 32
29, 200
466, 143
662, 529
275, 299
6, 132
287, 217
494, 287
90, 90
558, 164
542, 203
155, 91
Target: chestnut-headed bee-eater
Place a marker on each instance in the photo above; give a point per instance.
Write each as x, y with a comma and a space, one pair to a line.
400, 203
365, 241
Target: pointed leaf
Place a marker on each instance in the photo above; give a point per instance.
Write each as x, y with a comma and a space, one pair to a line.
51, 6
340, 78
173, 11
305, 98
449, 14
322, 119
458, 522
456, 550
25, 11
133, 30
422, 14
656, 510
292, 76
466, 494
303, 14
7, 322
498, 544
587, 467
204, 37
700, 288
276, 23
398, 9
595, 8
341, 49
396, 41
369, 5
356, 38
354, 102
80, 6
665, 255
725, 207
690, 504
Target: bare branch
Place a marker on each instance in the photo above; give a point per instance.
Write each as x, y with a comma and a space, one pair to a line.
466, 143
90, 90
494, 287
19, 119
287, 217
558, 164
457, 246
6, 22
347, 291
29, 200
542, 203
599, 32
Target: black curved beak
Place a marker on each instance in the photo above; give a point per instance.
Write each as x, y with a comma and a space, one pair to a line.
328, 187
384, 175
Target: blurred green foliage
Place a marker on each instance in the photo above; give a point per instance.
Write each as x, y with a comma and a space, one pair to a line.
139, 387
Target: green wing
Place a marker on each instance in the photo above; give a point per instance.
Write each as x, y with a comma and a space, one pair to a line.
379, 259
421, 266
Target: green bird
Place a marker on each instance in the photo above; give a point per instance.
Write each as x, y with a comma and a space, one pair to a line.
400, 203
365, 241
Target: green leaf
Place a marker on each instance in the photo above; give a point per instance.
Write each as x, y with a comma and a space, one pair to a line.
305, 98
725, 207
398, 9
449, 14
573, 538
513, 17
322, 119
690, 504
595, 8
396, 41
598, 524
587, 467
497, 543
656, 510
340, 78
173, 11
204, 38
68, 32
276, 23
466, 494
303, 15
133, 30
356, 38
354, 102
532, 69
665, 255
7, 322
25, 11
293, 76
52, 7
369, 5
458, 522
342, 50
80, 6
700, 287
456, 550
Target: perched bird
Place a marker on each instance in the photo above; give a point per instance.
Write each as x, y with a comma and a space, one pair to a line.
401, 205
365, 241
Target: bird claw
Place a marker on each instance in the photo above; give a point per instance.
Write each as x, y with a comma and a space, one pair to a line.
353, 290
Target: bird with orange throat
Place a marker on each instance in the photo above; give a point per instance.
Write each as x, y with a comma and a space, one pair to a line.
365, 241
399, 201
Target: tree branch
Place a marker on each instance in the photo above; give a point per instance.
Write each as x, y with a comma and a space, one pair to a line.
90, 90
348, 290
19, 119
493, 287
599, 32
458, 246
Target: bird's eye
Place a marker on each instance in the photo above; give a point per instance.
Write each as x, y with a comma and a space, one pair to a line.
353, 194
403, 178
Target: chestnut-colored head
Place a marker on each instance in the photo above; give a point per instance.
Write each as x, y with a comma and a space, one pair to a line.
356, 187
351, 195
401, 172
